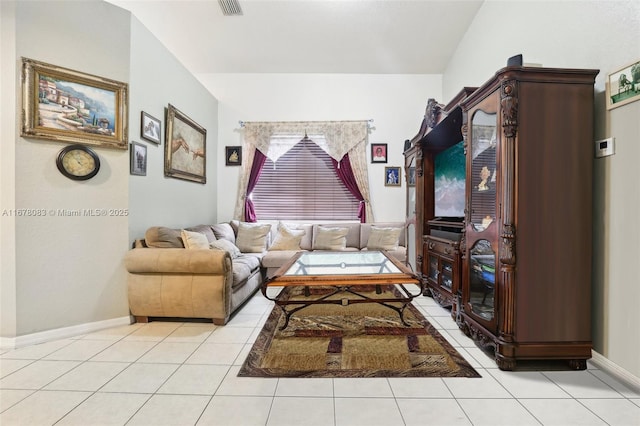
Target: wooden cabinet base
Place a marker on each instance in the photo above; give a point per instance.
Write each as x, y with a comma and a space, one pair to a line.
507, 355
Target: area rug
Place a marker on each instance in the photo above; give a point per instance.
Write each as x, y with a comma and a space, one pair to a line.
357, 340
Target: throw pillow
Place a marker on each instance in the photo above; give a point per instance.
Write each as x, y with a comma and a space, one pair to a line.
203, 229
287, 238
163, 237
384, 238
331, 238
224, 231
194, 240
227, 246
252, 238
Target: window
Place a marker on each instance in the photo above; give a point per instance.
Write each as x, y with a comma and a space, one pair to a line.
303, 186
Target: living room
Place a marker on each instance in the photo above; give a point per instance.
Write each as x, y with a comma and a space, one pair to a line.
63, 275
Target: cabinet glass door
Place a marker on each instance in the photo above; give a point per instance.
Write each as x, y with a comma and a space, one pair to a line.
410, 236
446, 275
433, 268
483, 169
482, 280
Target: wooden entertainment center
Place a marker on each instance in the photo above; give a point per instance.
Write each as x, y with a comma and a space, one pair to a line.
515, 266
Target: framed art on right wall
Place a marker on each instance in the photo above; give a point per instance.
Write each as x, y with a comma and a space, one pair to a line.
392, 176
378, 152
623, 85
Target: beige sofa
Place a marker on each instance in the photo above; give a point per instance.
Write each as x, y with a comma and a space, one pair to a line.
166, 279
357, 239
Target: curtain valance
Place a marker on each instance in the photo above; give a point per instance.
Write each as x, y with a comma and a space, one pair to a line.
275, 138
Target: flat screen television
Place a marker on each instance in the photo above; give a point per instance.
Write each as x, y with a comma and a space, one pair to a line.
449, 175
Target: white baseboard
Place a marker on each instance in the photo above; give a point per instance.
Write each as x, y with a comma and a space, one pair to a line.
7, 343
615, 370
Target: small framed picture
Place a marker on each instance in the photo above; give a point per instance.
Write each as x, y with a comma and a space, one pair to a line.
623, 85
150, 128
378, 152
392, 176
138, 154
233, 155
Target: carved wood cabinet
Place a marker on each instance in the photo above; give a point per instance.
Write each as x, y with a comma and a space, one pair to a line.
527, 243
437, 258
443, 269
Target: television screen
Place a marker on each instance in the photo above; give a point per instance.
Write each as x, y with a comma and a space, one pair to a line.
449, 174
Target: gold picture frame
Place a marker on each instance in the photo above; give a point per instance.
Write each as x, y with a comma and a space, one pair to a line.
64, 105
392, 176
623, 85
185, 147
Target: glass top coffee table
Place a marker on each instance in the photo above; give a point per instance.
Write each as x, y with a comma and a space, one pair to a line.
344, 271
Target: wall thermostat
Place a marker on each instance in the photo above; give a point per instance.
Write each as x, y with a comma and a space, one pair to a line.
605, 147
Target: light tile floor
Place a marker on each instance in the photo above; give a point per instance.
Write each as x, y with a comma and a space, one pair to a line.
185, 373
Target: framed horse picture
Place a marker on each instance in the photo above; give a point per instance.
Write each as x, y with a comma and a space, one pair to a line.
623, 85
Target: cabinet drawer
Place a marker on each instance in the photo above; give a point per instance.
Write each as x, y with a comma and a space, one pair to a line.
446, 248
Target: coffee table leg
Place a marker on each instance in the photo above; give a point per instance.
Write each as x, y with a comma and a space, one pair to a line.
287, 314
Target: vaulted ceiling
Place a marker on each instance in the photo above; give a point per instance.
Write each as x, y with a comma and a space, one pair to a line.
309, 36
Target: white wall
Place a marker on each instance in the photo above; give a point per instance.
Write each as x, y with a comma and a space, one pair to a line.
396, 103
68, 272
158, 79
8, 128
578, 34
69, 269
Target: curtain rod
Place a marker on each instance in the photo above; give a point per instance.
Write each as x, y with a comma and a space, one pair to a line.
369, 121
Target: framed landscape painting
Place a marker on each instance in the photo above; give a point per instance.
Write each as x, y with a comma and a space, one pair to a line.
185, 147
64, 105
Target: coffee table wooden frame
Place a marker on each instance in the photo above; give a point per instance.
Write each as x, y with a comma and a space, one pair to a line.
342, 283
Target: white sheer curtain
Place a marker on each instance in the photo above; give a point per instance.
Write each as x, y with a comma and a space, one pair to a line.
336, 138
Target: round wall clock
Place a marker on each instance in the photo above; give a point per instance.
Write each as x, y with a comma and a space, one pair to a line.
78, 162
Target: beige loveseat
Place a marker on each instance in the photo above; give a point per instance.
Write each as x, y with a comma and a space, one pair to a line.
170, 275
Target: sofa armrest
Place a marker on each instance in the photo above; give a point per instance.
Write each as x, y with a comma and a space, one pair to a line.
177, 260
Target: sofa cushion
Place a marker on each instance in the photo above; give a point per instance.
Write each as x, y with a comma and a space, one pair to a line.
399, 253
194, 240
307, 239
330, 238
225, 245
224, 231
384, 238
287, 238
252, 237
277, 258
243, 267
203, 229
163, 237
365, 231
352, 237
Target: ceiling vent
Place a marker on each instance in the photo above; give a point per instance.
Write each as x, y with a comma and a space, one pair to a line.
230, 7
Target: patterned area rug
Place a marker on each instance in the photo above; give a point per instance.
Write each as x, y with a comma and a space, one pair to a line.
357, 340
